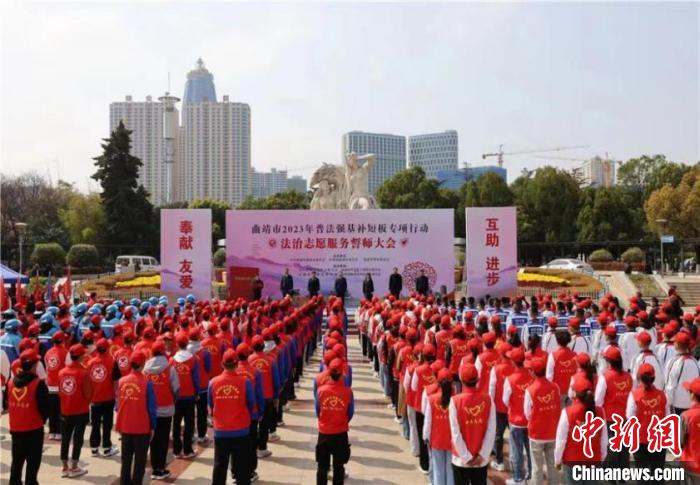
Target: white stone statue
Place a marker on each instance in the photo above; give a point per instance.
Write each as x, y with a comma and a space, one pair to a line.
343, 187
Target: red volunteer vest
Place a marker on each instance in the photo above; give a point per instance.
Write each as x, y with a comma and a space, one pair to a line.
228, 393
649, 402
442, 340
263, 362
161, 387
249, 372
440, 438
55, 360
502, 370
333, 403
132, 412
203, 374
458, 349
425, 377
100, 372
618, 387
121, 357
488, 358
213, 346
690, 457
23, 408
184, 376
546, 409
70, 390
410, 393
564, 368
519, 381
473, 410
573, 450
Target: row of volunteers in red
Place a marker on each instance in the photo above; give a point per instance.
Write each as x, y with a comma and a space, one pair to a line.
459, 376
231, 365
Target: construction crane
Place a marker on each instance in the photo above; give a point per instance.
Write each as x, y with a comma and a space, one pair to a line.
500, 152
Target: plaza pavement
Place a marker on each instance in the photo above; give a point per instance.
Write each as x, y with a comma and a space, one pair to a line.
380, 455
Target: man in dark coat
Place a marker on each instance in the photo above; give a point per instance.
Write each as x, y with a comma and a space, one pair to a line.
422, 284
314, 285
395, 283
341, 286
287, 283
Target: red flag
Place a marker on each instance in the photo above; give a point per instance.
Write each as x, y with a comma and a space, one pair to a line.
19, 298
67, 290
4, 297
38, 294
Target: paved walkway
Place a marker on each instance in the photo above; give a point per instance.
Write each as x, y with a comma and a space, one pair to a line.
379, 454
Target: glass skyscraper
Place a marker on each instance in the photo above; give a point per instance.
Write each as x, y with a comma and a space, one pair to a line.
200, 85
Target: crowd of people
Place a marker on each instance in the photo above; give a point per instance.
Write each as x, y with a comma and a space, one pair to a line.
459, 375
169, 373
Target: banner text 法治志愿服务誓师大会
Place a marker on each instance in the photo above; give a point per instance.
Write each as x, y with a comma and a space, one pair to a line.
355, 242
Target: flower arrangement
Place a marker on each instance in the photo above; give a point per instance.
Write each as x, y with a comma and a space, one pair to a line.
139, 281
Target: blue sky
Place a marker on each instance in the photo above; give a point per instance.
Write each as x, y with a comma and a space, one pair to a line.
621, 77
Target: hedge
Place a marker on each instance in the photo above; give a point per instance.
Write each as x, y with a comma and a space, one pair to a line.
633, 255
48, 255
82, 255
601, 256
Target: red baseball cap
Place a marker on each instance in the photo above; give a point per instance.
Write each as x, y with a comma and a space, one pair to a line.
552, 322
29, 356
516, 355
538, 364
243, 350
693, 386
646, 369
103, 344
468, 373
76, 350
489, 338
137, 357
644, 338
682, 337
582, 358
612, 353
581, 384
181, 339
257, 340
336, 365
444, 375
158, 347
230, 357
610, 331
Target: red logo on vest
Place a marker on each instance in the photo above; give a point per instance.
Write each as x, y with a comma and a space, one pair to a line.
123, 361
52, 362
68, 385
98, 373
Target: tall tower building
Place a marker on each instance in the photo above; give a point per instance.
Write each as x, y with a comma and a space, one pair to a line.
216, 142
145, 119
200, 85
598, 172
434, 152
264, 184
389, 149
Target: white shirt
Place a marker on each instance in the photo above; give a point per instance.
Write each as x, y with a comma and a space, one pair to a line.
463, 454
680, 370
563, 436
579, 343
648, 359
549, 342
629, 348
666, 352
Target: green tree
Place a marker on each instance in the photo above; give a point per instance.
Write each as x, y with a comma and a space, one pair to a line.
289, 200
547, 206
49, 256
679, 207
412, 189
489, 190
84, 218
82, 255
218, 215
645, 174
609, 214
128, 213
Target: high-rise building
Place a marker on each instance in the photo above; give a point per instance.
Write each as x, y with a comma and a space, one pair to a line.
455, 178
216, 142
264, 184
389, 149
211, 145
297, 183
434, 152
598, 172
200, 85
145, 120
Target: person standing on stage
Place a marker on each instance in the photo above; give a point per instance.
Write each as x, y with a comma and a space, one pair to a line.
286, 283
314, 285
257, 286
136, 419
74, 391
422, 284
395, 283
232, 402
368, 287
341, 287
335, 406
28, 406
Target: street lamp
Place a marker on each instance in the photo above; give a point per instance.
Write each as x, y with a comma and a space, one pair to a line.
21, 228
661, 222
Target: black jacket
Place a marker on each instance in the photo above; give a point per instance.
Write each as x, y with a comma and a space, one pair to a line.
422, 285
367, 287
286, 284
395, 283
341, 286
314, 285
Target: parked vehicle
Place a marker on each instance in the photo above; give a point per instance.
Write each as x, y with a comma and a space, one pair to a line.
570, 264
135, 263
